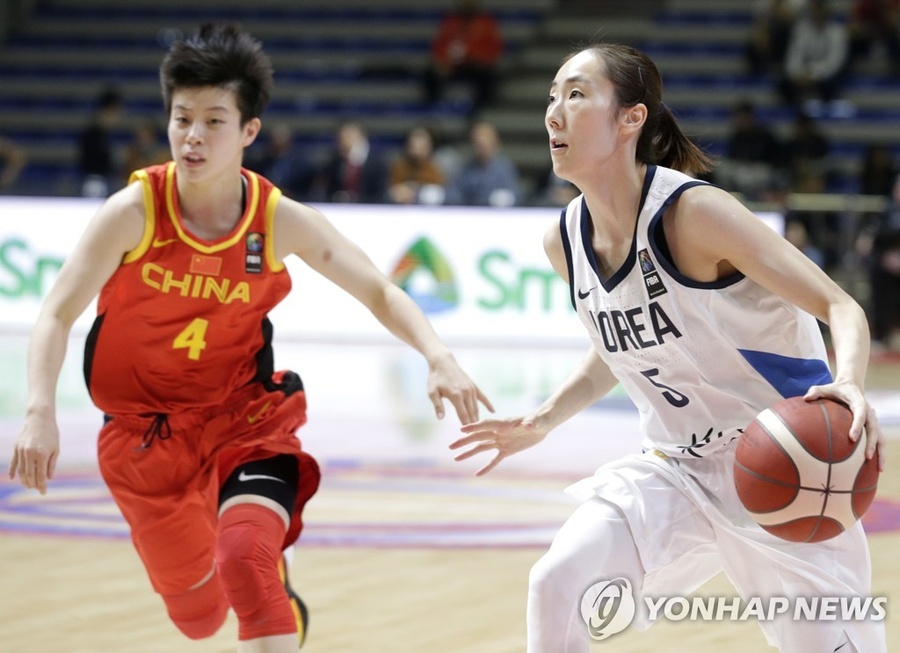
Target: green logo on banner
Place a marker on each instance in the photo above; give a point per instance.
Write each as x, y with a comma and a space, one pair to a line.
23, 273
424, 273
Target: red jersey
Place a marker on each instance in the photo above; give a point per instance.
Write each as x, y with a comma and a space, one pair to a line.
182, 323
474, 39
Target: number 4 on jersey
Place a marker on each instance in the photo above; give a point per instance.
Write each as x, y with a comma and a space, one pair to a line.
192, 338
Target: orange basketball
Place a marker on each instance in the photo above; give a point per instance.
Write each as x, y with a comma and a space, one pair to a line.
799, 475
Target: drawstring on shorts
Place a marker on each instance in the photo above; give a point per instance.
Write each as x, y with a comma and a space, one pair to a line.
159, 428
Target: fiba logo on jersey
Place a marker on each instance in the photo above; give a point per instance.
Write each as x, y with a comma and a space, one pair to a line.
608, 607
652, 280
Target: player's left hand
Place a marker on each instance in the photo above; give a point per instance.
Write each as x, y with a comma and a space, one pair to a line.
864, 418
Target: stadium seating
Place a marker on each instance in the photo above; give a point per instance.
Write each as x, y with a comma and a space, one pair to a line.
339, 59
334, 60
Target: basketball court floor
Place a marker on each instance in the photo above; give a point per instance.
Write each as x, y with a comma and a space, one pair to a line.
404, 550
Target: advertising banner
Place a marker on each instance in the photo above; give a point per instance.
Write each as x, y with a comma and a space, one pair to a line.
479, 274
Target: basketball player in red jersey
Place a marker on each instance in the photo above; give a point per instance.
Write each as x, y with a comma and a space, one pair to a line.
199, 447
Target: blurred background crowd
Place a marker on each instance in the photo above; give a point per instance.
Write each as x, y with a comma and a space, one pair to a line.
440, 102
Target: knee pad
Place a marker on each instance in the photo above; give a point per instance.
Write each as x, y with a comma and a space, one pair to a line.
200, 612
248, 548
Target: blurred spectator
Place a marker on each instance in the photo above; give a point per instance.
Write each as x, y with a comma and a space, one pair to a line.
552, 190
808, 149
448, 153
354, 172
880, 247
467, 47
753, 154
146, 148
488, 177
877, 177
809, 165
12, 161
281, 162
795, 231
415, 177
771, 33
878, 171
816, 58
873, 22
96, 156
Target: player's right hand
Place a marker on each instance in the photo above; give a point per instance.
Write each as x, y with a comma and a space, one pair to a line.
507, 436
35, 453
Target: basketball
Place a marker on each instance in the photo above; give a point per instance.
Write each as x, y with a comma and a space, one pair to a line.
798, 473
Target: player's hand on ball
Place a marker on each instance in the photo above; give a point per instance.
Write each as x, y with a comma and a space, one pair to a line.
864, 418
507, 436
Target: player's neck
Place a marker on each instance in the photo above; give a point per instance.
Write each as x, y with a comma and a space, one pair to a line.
613, 200
211, 211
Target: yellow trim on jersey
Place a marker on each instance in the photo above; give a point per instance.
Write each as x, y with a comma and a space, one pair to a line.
246, 220
271, 204
149, 217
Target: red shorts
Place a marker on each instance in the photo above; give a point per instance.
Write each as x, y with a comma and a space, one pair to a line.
168, 491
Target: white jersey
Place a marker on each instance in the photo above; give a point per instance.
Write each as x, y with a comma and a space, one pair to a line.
700, 360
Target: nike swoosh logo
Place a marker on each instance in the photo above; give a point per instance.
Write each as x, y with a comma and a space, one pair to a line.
244, 476
253, 419
162, 243
583, 295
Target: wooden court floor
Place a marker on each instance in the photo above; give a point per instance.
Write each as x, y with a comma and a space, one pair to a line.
83, 593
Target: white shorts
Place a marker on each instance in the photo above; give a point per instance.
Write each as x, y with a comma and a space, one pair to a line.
688, 524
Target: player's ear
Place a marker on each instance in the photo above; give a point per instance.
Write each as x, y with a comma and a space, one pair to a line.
251, 130
634, 117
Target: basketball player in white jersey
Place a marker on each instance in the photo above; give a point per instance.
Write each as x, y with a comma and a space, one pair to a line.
706, 316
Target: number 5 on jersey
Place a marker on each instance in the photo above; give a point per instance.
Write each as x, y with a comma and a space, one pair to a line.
192, 338
671, 394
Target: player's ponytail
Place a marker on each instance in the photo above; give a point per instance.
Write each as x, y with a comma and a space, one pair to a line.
637, 80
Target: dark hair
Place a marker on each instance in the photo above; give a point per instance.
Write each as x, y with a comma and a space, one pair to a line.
637, 81
110, 98
223, 56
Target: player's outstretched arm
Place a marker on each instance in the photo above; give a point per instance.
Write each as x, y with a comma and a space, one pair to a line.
303, 231
590, 381
116, 229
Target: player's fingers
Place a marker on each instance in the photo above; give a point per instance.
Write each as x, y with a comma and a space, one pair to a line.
438, 402
35, 469
873, 433
463, 442
496, 461
27, 471
51, 468
485, 425
484, 400
472, 406
13, 464
474, 451
856, 427
462, 408
40, 477
814, 392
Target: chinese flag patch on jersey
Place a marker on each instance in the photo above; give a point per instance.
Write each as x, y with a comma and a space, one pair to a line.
211, 265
